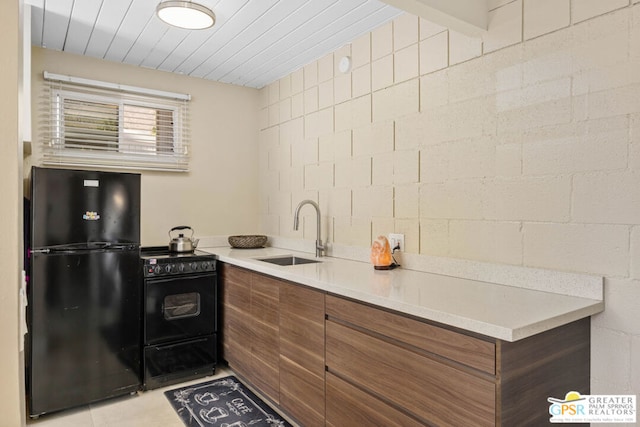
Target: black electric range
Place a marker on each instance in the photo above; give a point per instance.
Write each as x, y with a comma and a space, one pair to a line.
180, 316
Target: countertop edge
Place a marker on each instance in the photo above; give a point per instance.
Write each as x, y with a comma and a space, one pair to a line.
587, 308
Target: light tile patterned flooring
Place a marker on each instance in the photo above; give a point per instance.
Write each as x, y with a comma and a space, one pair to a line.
149, 408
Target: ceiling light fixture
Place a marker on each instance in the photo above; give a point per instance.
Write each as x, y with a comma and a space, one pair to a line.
186, 14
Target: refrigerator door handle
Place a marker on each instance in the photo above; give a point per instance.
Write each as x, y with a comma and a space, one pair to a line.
40, 251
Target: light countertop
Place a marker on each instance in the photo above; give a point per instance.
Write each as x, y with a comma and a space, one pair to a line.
509, 313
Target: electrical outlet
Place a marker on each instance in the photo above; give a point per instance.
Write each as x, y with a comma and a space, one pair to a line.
396, 240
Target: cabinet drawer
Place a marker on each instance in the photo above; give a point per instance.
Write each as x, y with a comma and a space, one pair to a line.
470, 351
433, 391
349, 406
174, 363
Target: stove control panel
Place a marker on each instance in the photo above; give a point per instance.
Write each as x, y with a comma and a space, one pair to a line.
168, 267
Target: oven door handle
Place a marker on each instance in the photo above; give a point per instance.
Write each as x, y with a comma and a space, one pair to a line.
162, 279
168, 346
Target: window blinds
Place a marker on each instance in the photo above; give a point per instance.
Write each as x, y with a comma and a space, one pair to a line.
89, 123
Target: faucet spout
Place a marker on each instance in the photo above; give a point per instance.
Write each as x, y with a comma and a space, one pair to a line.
296, 222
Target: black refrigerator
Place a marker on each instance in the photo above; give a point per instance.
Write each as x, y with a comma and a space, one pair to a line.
84, 289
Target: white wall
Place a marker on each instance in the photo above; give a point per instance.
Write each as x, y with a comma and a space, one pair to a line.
219, 195
11, 383
521, 148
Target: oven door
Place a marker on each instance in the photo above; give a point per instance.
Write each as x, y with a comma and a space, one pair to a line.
179, 307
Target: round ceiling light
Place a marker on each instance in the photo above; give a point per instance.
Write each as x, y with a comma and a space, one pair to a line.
186, 14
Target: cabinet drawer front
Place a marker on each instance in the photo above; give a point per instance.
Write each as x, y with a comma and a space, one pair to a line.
349, 406
432, 391
301, 393
471, 351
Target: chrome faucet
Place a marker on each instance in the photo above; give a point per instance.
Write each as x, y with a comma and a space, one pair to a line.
296, 221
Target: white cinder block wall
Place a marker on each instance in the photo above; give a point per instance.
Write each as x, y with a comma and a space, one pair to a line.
521, 147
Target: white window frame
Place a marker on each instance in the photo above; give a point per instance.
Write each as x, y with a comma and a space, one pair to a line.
57, 153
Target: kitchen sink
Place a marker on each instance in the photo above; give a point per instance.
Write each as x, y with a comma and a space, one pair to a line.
289, 260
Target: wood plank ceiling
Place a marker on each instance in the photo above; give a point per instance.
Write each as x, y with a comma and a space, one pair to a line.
253, 43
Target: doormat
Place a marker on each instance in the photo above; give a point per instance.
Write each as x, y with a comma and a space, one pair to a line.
224, 402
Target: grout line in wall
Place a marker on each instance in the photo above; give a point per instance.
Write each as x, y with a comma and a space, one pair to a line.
522, 21
419, 176
350, 142
629, 249
448, 49
350, 203
521, 242
393, 203
333, 175
629, 140
394, 126
333, 229
570, 13
370, 171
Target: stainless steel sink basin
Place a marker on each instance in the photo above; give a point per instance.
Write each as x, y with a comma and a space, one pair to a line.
289, 260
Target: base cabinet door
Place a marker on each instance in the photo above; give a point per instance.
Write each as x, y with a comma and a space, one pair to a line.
236, 318
273, 337
302, 353
265, 344
250, 340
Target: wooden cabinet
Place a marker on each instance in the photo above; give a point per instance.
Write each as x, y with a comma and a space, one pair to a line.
411, 371
302, 353
328, 360
236, 318
273, 337
383, 353
250, 325
265, 343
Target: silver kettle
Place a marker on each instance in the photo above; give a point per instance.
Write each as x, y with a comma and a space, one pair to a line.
181, 243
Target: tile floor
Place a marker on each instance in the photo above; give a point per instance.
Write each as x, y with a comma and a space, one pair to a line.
149, 408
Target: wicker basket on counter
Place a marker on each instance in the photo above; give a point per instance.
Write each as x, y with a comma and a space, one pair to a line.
247, 241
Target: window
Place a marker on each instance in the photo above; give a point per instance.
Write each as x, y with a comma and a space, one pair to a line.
90, 123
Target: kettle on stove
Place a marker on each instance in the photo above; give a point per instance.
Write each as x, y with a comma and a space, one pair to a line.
181, 243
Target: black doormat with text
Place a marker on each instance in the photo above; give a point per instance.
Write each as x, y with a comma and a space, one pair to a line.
224, 402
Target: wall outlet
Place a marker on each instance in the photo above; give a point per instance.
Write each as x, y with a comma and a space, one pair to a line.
396, 240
